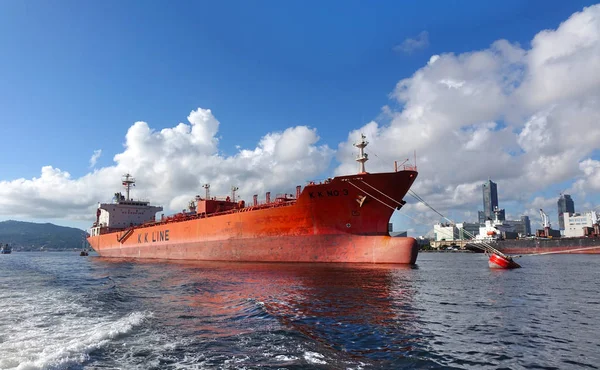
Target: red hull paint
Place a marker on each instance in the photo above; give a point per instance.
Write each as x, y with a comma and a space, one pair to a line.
320, 248
326, 223
499, 262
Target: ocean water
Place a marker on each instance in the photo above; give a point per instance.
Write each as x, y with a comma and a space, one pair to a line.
63, 311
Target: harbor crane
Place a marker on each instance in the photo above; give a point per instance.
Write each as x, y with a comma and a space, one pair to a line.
545, 233
545, 219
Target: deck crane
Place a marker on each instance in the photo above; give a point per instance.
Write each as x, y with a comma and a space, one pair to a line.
545, 224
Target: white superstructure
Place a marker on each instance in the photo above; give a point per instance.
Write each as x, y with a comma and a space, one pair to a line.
495, 229
124, 212
575, 222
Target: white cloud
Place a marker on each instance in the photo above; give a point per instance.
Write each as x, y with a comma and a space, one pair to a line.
527, 118
94, 157
564, 64
170, 166
410, 45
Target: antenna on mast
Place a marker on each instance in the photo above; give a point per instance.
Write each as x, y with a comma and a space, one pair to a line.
415, 153
362, 156
233, 190
128, 181
207, 188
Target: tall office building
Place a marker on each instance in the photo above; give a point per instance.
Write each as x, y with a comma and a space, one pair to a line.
490, 198
527, 224
565, 205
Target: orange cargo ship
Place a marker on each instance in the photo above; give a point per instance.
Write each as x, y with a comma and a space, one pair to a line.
343, 219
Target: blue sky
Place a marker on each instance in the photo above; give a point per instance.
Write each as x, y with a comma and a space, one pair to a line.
76, 75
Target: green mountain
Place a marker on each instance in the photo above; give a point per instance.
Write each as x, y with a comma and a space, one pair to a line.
33, 236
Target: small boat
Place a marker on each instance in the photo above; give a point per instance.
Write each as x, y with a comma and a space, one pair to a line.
83, 253
5, 249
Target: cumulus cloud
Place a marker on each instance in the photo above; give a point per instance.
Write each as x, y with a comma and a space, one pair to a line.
527, 118
170, 165
411, 45
94, 157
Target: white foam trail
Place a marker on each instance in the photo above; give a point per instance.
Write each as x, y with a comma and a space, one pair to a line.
52, 330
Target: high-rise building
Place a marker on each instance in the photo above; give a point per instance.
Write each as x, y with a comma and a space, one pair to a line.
565, 205
522, 227
481, 217
527, 223
490, 198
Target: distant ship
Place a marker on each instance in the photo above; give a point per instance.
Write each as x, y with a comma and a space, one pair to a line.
342, 219
5, 249
582, 245
546, 240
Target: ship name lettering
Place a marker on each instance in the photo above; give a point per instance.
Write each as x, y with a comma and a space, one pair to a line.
328, 193
155, 236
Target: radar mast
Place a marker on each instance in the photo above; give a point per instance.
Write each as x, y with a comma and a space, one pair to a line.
128, 182
362, 156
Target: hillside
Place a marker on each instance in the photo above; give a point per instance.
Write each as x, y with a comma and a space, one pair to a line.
32, 236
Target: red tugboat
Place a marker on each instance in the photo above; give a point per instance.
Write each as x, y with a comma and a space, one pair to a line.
342, 219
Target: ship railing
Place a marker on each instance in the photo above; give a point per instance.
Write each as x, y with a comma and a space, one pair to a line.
319, 182
139, 200
289, 198
182, 217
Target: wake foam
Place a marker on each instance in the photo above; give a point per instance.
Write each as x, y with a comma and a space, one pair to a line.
52, 330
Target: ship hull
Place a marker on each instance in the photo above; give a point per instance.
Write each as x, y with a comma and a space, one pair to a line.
317, 248
557, 246
342, 220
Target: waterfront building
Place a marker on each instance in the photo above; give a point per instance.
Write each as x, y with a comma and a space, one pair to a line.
467, 230
445, 232
565, 205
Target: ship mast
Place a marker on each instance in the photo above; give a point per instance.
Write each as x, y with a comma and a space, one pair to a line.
233, 190
128, 182
362, 156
